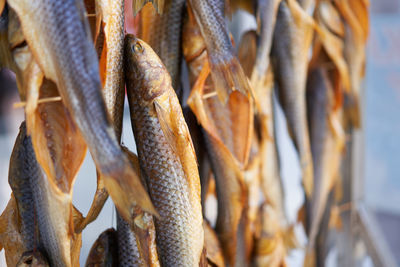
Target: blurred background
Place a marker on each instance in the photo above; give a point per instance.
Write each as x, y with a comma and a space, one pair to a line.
376, 151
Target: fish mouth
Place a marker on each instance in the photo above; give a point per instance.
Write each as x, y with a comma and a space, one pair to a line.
130, 38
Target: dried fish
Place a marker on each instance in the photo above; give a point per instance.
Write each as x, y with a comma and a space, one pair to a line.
166, 155
228, 130
292, 40
164, 33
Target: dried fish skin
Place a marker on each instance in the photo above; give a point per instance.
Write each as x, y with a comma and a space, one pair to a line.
166, 155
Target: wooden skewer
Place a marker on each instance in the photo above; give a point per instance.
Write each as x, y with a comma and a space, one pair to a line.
90, 15
205, 96
345, 206
40, 101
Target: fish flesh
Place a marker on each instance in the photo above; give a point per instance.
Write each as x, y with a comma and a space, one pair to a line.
166, 156
163, 32
104, 250
70, 61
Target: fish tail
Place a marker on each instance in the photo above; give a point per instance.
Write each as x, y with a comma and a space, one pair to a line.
229, 76
124, 186
138, 4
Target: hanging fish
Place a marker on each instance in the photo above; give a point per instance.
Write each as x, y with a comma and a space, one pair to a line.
166, 155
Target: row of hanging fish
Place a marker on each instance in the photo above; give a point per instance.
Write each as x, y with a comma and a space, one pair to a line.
215, 138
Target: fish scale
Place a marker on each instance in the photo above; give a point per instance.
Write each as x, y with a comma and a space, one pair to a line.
19, 178
163, 192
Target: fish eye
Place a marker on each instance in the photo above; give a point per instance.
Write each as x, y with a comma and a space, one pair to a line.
100, 249
137, 48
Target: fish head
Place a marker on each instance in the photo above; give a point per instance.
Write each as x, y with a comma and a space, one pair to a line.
102, 248
32, 259
144, 69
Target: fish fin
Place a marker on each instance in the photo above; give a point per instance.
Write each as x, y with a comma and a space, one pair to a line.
333, 46
212, 245
329, 16
118, 180
164, 120
138, 4
99, 199
145, 233
247, 51
103, 61
195, 101
241, 112
229, 76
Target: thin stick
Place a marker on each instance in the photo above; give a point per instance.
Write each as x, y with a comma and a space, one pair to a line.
90, 15
345, 206
205, 96
40, 101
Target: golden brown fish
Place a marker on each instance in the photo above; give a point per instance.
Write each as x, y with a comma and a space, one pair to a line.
163, 32
228, 131
104, 251
70, 61
166, 155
